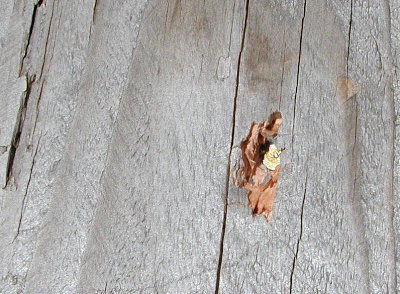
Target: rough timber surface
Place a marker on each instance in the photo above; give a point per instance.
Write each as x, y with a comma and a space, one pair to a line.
120, 122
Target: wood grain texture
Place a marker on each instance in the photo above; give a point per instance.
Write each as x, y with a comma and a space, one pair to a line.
173, 109
394, 16
101, 86
126, 118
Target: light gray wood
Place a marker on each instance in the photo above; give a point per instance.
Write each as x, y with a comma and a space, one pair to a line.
394, 16
99, 91
178, 104
371, 65
52, 57
336, 213
293, 254
126, 117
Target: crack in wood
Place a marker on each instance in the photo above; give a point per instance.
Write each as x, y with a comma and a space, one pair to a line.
30, 81
94, 11
392, 190
35, 7
37, 111
354, 163
191, 275
230, 35
221, 251
11, 157
93, 17
105, 288
20, 122
47, 41
26, 190
349, 39
354, 151
356, 197
298, 69
300, 236
283, 69
379, 53
21, 119
166, 20
393, 70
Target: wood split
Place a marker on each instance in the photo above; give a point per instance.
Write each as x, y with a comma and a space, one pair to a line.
260, 181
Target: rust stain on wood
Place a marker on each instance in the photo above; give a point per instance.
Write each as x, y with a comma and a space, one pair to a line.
260, 182
257, 60
346, 89
177, 9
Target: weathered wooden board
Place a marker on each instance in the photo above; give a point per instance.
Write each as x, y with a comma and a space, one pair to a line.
130, 122
394, 17
337, 137
158, 221
51, 53
334, 227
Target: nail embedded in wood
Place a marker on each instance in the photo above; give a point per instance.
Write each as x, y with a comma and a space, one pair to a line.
259, 171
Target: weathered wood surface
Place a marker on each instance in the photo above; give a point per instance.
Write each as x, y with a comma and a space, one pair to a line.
125, 117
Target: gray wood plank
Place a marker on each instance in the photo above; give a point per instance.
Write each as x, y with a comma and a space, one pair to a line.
131, 112
258, 256
52, 58
394, 18
371, 67
14, 32
112, 28
158, 223
325, 236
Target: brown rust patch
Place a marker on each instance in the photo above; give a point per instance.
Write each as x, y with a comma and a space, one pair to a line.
177, 10
291, 58
346, 89
257, 60
263, 61
260, 182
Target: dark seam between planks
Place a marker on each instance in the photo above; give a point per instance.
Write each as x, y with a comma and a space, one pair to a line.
26, 190
93, 17
30, 81
20, 123
221, 251
94, 11
355, 152
300, 236
47, 41
35, 7
393, 145
392, 191
293, 124
283, 69
349, 40
298, 69
230, 35
37, 110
